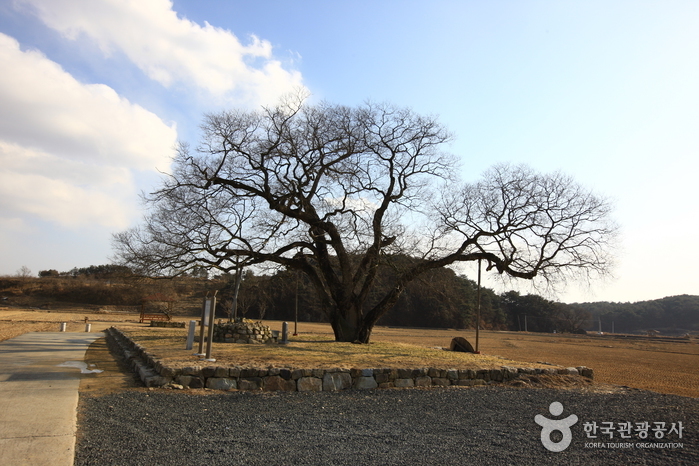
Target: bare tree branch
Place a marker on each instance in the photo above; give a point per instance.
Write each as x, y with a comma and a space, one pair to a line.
334, 191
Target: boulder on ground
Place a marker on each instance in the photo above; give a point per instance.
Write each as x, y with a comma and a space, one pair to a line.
462, 345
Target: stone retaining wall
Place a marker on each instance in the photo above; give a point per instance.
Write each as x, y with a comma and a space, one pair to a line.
166, 324
242, 332
154, 374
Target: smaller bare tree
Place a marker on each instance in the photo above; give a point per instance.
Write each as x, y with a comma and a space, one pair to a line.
24, 272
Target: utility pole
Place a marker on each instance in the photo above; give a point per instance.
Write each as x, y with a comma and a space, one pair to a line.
236, 288
296, 307
478, 307
203, 322
212, 316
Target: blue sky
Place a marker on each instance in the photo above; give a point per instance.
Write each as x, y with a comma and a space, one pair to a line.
94, 94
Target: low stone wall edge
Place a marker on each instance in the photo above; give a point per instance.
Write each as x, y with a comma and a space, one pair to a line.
153, 373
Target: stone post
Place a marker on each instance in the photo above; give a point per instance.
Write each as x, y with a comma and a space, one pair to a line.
285, 333
190, 335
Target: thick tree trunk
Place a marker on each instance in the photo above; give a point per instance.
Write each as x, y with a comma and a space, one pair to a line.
360, 333
364, 332
353, 327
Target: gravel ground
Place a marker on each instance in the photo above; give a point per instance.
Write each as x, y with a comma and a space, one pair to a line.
480, 426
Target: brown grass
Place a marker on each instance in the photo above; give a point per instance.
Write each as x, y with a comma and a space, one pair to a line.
14, 322
667, 367
312, 351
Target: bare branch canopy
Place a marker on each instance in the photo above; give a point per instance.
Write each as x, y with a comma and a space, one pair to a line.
336, 192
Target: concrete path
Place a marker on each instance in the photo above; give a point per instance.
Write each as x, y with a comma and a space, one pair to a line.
39, 381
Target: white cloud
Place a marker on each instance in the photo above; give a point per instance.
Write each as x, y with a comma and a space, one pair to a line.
174, 50
67, 149
45, 107
62, 191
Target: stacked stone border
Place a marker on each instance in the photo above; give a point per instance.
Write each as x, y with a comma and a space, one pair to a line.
155, 374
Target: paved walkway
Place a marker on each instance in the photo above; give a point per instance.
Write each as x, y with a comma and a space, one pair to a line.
39, 381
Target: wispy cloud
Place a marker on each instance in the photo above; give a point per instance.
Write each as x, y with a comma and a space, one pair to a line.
172, 50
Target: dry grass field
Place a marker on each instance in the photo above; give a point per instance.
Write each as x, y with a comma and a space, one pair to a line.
666, 367
662, 366
307, 351
14, 322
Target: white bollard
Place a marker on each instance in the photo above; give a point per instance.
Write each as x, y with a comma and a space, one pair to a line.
88, 328
190, 336
63, 326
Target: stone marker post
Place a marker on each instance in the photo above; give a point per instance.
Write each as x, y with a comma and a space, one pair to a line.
190, 335
202, 323
285, 333
212, 316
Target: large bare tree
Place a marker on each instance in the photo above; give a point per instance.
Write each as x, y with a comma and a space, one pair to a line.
333, 191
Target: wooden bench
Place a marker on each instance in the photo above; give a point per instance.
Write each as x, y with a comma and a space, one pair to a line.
154, 312
161, 316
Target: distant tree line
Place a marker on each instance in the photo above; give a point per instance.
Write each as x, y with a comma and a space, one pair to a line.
438, 299
105, 271
106, 284
444, 299
672, 313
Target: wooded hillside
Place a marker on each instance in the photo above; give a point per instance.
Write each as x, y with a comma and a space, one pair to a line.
438, 299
